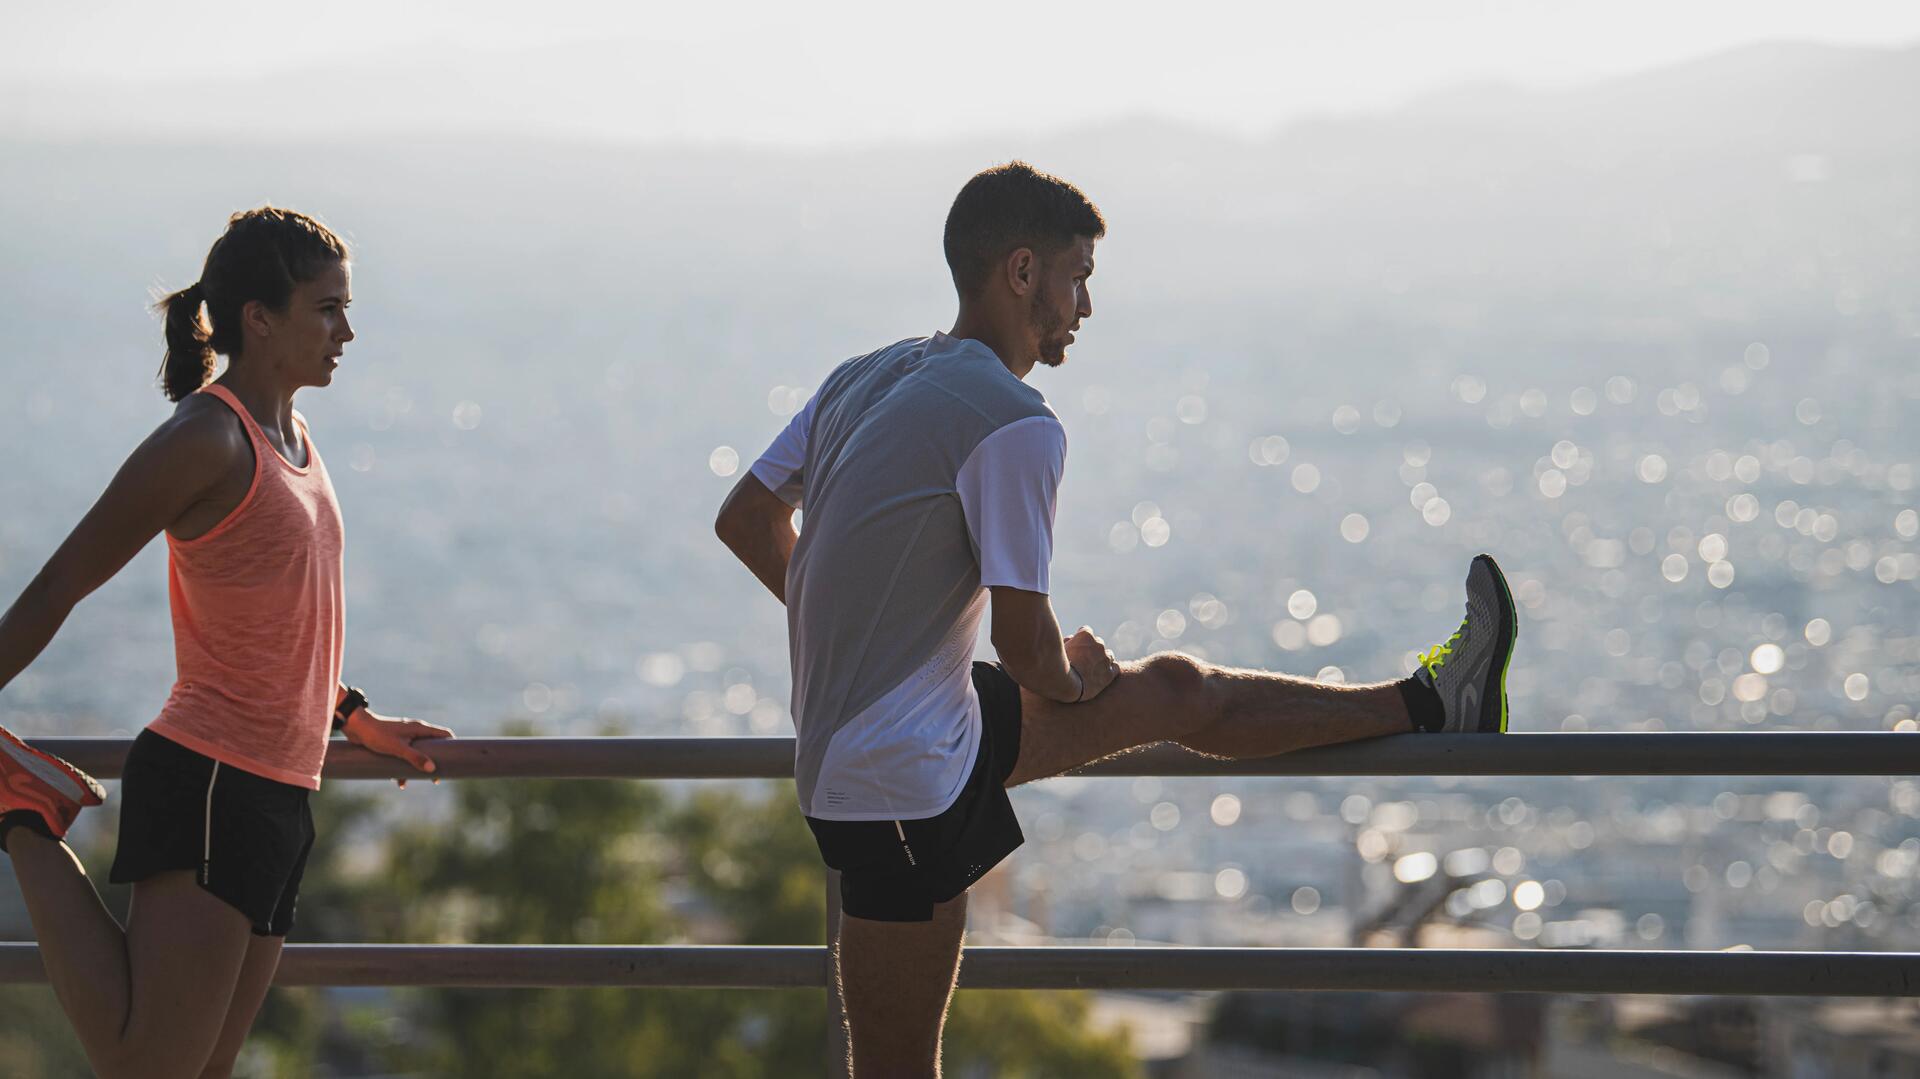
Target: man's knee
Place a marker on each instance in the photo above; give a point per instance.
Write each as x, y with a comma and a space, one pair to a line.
1176, 674
1178, 682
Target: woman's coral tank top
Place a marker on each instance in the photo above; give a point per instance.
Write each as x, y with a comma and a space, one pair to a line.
259, 620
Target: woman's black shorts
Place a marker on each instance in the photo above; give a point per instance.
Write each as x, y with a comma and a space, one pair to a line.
244, 838
895, 871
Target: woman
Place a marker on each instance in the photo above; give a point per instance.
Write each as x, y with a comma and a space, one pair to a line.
214, 827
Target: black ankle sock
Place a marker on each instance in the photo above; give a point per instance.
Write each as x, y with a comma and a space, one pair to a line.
25, 818
1423, 704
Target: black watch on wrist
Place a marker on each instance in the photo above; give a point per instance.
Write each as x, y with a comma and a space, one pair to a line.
349, 704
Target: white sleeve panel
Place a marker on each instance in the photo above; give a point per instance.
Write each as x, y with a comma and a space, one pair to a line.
780, 467
1007, 488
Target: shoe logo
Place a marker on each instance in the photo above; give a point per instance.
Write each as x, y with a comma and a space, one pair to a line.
30, 788
1469, 700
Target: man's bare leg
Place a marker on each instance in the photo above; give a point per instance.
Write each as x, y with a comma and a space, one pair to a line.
896, 979
1219, 711
1223, 712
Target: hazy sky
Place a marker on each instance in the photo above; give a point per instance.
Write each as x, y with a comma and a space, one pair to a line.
800, 73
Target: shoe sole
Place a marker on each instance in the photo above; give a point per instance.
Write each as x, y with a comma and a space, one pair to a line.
65, 780
1508, 635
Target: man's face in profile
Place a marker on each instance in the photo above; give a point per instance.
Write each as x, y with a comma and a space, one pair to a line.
1061, 300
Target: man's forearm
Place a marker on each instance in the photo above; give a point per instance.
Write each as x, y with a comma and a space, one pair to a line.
1056, 680
1038, 662
758, 528
765, 551
769, 563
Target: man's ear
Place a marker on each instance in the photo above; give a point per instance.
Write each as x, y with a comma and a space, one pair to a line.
1022, 270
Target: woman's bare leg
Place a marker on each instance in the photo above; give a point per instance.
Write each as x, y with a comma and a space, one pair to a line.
146, 1001
256, 977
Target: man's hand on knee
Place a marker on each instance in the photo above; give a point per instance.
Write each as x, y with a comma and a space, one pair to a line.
1090, 656
1027, 637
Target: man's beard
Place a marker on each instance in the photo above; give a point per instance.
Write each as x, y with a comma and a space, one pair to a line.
1049, 328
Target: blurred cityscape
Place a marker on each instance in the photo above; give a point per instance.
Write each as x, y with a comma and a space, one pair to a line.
1652, 343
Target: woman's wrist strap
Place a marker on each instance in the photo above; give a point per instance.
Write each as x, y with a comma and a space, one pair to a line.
349, 704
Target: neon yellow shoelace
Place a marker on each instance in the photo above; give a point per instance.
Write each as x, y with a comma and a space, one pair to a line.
1436, 657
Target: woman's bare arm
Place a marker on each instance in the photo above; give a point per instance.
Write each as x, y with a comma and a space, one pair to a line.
166, 475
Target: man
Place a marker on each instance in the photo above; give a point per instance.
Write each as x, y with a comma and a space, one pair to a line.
928, 471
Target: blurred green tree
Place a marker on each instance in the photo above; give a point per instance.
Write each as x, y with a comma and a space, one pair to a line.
35, 1040
1023, 1034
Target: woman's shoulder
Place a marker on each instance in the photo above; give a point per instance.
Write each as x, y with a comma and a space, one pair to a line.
202, 431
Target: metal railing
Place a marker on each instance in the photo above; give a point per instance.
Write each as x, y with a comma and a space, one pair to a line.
1353, 969
1780, 753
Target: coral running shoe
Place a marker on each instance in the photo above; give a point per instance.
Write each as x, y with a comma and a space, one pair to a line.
44, 784
1469, 670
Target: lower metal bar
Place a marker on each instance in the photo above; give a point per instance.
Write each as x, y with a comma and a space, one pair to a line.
1800, 974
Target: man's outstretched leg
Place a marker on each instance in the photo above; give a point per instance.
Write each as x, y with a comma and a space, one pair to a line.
896, 979
1223, 712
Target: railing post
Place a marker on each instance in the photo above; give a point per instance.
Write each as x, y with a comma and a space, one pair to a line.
839, 1059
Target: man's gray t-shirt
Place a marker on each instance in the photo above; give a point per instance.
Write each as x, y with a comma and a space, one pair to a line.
926, 472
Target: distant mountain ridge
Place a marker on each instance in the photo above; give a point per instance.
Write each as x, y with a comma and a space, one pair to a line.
583, 89
1769, 89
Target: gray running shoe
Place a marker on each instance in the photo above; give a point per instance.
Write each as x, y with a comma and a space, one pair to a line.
1469, 670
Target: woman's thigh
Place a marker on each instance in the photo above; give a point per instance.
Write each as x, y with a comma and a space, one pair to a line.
185, 951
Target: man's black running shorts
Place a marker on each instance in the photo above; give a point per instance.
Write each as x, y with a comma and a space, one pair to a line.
895, 871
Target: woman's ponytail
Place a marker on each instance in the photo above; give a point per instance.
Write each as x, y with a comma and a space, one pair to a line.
189, 362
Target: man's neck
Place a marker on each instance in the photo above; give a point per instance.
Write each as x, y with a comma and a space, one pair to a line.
1005, 344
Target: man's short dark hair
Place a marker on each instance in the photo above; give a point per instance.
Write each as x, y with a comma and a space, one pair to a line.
1008, 207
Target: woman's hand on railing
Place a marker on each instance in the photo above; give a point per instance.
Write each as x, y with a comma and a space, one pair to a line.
394, 738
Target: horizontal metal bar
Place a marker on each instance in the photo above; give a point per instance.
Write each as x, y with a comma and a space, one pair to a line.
1780, 753
1810, 974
